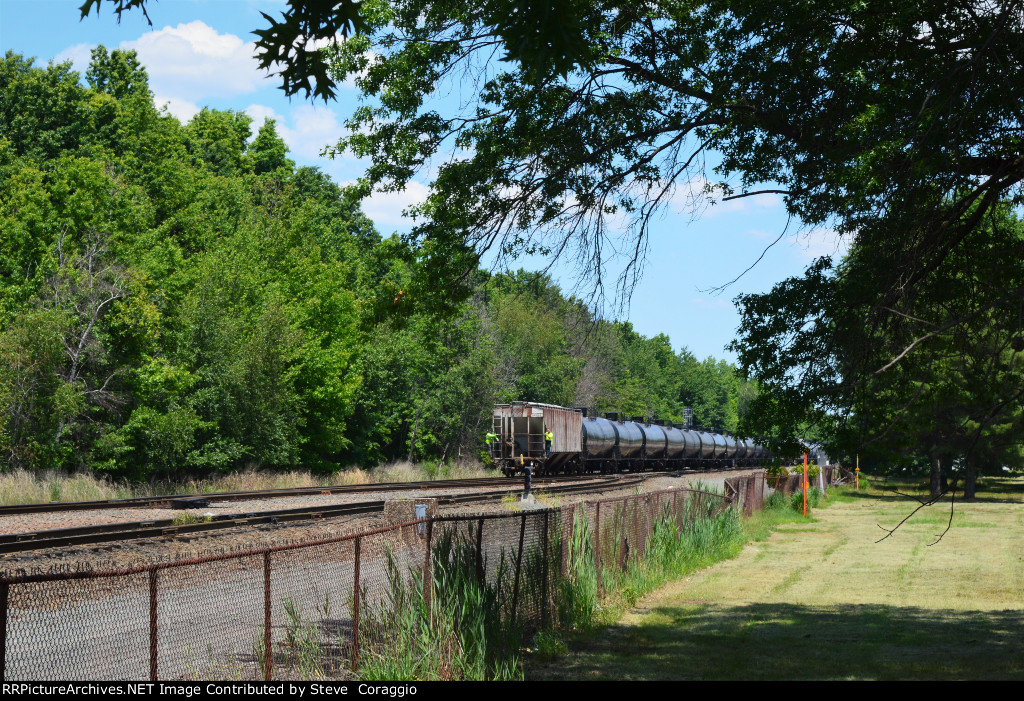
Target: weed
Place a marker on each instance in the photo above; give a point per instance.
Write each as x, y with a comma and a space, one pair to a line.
576, 601
511, 502
462, 629
30, 487
813, 499
302, 643
548, 645
186, 518
259, 652
777, 501
545, 499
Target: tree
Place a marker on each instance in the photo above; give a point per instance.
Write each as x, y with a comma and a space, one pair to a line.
947, 401
805, 100
42, 112
267, 152
217, 138
850, 135
872, 118
542, 35
117, 73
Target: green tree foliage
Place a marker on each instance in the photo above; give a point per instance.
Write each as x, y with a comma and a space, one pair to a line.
267, 151
217, 139
169, 300
956, 386
42, 112
181, 299
543, 36
117, 73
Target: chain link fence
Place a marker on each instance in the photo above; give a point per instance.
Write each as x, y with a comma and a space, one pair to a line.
322, 608
749, 492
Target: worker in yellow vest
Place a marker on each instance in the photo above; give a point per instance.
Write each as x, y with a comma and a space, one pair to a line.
548, 437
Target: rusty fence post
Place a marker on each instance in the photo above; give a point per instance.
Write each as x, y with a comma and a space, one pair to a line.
355, 606
597, 548
152, 624
5, 588
544, 575
268, 650
480, 551
519, 567
428, 573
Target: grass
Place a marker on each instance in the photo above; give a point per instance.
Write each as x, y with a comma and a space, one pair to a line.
671, 551
25, 487
187, 518
469, 629
464, 630
819, 598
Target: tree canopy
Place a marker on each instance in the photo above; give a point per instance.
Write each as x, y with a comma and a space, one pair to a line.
957, 396
898, 124
182, 299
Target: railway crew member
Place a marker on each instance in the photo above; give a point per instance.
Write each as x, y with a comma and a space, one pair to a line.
548, 437
490, 438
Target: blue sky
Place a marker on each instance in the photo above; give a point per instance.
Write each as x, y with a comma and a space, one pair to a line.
199, 53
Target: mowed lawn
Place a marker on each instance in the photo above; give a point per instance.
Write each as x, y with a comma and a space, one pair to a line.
823, 600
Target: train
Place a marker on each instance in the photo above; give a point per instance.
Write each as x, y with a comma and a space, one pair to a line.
582, 443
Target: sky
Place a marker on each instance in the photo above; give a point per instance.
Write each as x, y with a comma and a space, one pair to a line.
199, 53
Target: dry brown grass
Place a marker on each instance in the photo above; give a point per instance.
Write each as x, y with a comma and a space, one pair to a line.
24, 487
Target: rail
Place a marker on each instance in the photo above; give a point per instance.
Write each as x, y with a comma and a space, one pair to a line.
258, 613
166, 528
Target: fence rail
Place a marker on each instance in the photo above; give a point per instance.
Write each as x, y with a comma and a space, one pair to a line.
251, 614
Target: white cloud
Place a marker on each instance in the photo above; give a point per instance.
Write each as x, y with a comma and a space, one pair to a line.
182, 109
806, 245
819, 242
385, 208
193, 62
307, 130
315, 127
714, 304
262, 112
79, 55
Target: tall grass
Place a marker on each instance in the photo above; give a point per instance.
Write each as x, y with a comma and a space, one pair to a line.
25, 487
462, 629
576, 601
469, 631
462, 624
673, 549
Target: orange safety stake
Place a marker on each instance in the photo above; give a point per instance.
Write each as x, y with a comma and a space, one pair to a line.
856, 474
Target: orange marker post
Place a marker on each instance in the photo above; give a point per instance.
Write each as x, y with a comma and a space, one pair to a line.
805, 484
856, 474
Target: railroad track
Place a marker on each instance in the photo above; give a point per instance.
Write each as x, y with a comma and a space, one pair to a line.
167, 528
165, 501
